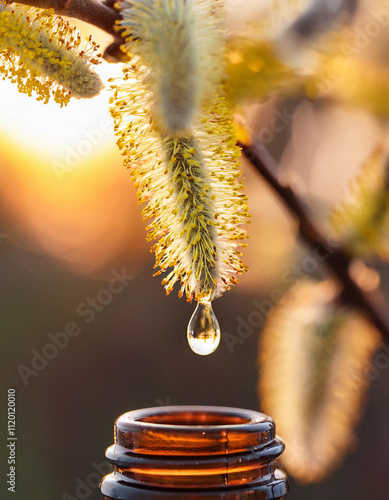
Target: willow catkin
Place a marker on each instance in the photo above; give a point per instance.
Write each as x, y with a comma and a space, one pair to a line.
175, 129
42, 54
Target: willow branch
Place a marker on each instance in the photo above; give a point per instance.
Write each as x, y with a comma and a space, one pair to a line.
337, 260
102, 15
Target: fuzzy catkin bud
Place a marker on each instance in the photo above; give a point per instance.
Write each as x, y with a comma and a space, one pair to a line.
42, 53
181, 49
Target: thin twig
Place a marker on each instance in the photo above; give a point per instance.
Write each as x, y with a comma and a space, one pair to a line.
338, 261
102, 15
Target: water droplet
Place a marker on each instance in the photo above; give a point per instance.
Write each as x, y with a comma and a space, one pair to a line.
203, 330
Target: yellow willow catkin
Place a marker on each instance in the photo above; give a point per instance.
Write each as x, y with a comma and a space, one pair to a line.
182, 147
41, 53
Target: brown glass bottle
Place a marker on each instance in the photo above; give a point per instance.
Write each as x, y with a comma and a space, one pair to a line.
194, 452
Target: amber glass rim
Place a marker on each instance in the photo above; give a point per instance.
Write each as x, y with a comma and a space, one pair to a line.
191, 430
147, 418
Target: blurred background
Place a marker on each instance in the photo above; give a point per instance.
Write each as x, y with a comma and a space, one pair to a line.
69, 223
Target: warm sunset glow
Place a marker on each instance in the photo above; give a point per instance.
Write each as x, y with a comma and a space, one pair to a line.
53, 131
63, 182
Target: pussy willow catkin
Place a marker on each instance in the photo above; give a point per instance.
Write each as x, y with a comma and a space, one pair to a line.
41, 53
176, 131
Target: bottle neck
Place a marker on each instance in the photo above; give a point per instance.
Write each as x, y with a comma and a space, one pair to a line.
187, 449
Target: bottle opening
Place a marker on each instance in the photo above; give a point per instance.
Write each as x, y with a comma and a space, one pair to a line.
190, 448
195, 418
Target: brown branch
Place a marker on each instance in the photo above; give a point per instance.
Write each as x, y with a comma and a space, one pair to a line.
338, 261
102, 15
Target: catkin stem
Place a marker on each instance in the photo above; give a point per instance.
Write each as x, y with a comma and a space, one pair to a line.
102, 15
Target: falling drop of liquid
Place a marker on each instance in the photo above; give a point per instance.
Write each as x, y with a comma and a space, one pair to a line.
203, 330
